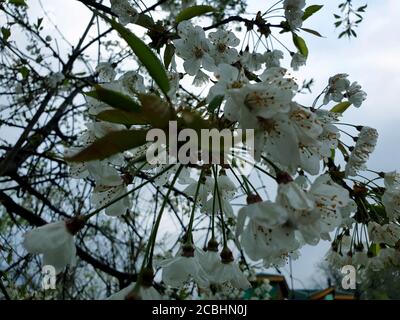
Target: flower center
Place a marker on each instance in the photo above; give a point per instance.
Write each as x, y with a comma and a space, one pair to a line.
198, 52
269, 125
221, 47
236, 85
257, 100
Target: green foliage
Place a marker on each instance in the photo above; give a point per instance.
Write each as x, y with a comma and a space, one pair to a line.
215, 103
341, 107
111, 144
145, 55
19, 3
114, 99
6, 33
309, 11
191, 12
122, 117
168, 54
314, 32
349, 18
300, 44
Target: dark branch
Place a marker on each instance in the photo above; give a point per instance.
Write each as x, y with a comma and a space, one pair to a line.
12, 207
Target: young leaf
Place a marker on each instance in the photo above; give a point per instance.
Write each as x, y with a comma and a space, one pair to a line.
18, 3
112, 143
341, 107
315, 33
145, 56
144, 21
374, 249
114, 99
168, 54
192, 12
6, 33
362, 8
215, 103
338, 23
156, 111
194, 120
343, 150
122, 117
300, 45
24, 71
309, 11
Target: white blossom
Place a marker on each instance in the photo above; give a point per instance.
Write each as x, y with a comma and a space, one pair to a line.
144, 293
272, 58
183, 267
294, 12
109, 186
298, 60
194, 48
355, 95
105, 71
55, 241
230, 272
125, 11
221, 51
338, 84
365, 145
252, 60
391, 196
228, 78
388, 233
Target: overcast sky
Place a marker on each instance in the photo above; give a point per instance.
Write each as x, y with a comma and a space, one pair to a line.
372, 59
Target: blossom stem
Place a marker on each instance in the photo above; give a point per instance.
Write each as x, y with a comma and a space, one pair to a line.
189, 237
220, 207
154, 232
244, 187
91, 214
271, 7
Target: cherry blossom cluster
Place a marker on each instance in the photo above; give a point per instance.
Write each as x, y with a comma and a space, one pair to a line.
295, 147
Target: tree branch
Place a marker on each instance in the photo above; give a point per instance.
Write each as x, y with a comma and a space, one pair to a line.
12, 207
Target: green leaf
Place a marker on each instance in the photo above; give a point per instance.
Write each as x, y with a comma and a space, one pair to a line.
168, 54
18, 3
156, 111
24, 71
333, 154
112, 143
192, 12
315, 33
6, 33
114, 99
300, 45
194, 120
343, 33
145, 21
145, 55
39, 23
309, 11
338, 23
215, 103
122, 117
343, 150
341, 107
374, 249
362, 9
